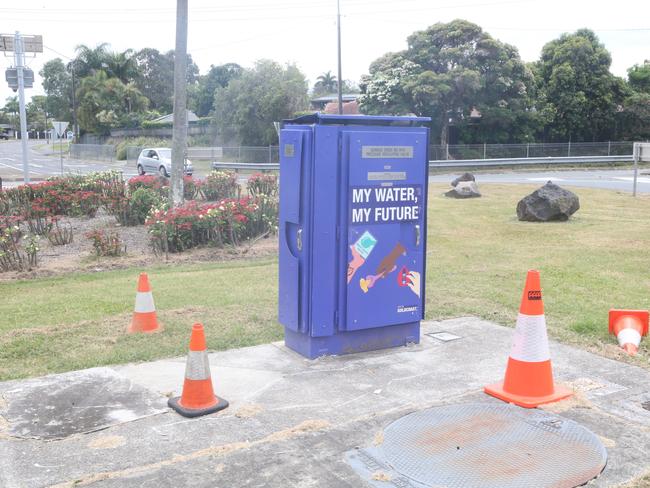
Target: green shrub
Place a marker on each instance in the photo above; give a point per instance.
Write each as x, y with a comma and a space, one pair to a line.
141, 142
263, 184
152, 124
132, 209
220, 185
106, 243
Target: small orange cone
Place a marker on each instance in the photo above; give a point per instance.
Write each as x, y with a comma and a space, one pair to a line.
529, 377
144, 315
628, 326
198, 397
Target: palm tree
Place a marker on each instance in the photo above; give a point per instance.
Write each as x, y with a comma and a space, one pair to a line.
121, 65
326, 83
12, 106
89, 60
134, 98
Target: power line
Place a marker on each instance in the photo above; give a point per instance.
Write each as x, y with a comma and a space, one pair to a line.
261, 10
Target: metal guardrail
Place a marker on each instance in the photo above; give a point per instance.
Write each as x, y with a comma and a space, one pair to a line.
474, 163
466, 163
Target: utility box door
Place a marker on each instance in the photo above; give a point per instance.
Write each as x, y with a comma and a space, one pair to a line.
295, 154
385, 222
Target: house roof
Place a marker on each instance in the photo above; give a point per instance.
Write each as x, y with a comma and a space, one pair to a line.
191, 117
346, 97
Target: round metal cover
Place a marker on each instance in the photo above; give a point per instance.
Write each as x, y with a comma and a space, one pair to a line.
492, 446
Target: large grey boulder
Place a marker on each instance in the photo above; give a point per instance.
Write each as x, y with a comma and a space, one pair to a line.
463, 177
464, 189
547, 203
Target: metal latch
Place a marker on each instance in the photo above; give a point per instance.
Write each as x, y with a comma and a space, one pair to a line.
299, 239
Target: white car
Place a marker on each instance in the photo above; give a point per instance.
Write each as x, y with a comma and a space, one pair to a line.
159, 160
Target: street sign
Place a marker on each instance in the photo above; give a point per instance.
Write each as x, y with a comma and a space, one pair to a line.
59, 127
31, 44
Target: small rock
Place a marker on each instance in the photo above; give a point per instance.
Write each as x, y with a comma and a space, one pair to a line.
463, 177
548, 203
464, 189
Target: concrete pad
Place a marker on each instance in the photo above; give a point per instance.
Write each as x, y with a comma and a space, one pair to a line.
57, 406
291, 420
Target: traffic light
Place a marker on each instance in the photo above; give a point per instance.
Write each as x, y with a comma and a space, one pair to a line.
11, 75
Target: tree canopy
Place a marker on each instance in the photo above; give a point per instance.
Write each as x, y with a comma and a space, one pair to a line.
447, 71
577, 92
244, 110
639, 77
57, 85
202, 100
474, 87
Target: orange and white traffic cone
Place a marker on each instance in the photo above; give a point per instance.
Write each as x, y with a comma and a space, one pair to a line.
198, 397
144, 315
529, 377
628, 326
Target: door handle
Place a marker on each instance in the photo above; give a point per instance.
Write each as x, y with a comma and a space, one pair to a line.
299, 240
417, 235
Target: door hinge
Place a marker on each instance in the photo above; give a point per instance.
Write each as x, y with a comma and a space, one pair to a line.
340, 145
336, 318
338, 232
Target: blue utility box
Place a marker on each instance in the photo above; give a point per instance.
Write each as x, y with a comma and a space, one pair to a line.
353, 213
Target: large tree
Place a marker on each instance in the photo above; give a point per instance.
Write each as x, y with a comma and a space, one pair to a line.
57, 84
246, 109
577, 92
639, 77
38, 115
448, 72
217, 77
155, 77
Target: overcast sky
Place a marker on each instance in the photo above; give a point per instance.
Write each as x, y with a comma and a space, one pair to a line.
304, 31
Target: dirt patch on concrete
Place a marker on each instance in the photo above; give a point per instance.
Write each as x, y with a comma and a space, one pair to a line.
575, 401
248, 411
107, 442
379, 438
381, 476
305, 427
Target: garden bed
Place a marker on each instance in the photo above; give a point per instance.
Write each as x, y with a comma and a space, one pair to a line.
79, 255
98, 222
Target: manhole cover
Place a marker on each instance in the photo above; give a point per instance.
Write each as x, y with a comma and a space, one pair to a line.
486, 446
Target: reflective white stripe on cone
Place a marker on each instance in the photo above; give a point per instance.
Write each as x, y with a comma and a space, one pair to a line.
530, 342
144, 302
629, 336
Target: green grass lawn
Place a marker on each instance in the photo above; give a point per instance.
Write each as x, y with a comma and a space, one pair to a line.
478, 255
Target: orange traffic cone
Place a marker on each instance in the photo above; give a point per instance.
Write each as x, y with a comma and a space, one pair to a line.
144, 315
529, 377
628, 326
198, 396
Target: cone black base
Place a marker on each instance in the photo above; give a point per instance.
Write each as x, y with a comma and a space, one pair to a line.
196, 412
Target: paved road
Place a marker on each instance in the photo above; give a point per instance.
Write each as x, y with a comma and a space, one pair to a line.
43, 166
610, 179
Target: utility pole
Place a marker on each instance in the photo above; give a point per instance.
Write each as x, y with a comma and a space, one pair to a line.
75, 126
179, 135
19, 59
340, 82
